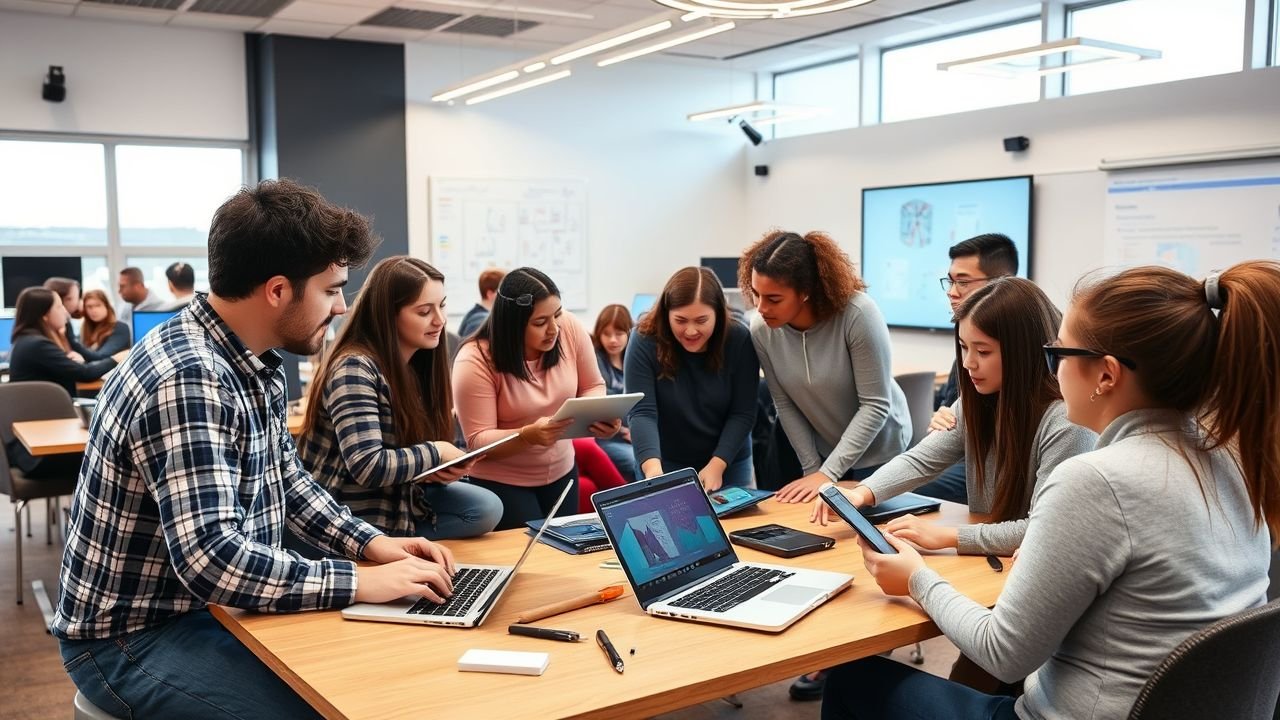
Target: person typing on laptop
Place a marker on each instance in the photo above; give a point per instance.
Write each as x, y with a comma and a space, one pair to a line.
190, 476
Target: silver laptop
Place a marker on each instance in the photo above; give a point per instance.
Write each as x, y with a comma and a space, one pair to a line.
680, 563
476, 591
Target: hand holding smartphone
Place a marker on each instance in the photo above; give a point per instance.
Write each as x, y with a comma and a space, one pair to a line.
840, 504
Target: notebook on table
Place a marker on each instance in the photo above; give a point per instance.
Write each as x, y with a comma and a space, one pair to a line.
680, 564
476, 591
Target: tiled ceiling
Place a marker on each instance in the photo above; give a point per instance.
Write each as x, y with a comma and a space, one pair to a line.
533, 26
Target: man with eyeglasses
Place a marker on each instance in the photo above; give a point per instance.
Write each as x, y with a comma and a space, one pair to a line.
974, 263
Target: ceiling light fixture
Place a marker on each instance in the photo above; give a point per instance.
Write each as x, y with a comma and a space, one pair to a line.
492, 9
519, 86
727, 111
607, 43
474, 86
798, 114
761, 8
1030, 60
668, 43
535, 67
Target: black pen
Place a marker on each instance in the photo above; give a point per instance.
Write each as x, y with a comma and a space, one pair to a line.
544, 633
603, 641
995, 563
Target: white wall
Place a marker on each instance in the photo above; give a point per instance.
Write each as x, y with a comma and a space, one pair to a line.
124, 79
661, 191
815, 181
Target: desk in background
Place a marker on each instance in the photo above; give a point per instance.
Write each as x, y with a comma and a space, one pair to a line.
52, 437
350, 669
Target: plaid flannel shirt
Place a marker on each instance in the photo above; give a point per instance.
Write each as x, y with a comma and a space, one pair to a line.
352, 450
188, 480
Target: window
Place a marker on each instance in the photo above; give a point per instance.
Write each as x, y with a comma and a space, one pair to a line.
911, 86
168, 194
1195, 38
833, 87
53, 194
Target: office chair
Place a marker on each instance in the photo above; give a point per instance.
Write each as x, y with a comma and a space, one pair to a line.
1230, 669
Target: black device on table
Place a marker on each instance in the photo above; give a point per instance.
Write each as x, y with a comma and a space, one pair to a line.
781, 541
840, 504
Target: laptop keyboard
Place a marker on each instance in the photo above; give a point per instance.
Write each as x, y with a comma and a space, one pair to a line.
468, 583
732, 590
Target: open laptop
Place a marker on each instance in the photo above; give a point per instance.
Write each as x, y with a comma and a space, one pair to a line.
680, 563
476, 591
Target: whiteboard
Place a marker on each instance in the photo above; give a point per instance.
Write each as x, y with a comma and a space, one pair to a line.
1193, 218
482, 223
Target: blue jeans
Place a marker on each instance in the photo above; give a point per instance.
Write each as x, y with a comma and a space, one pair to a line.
739, 473
522, 504
950, 485
189, 667
623, 457
878, 687
462, 510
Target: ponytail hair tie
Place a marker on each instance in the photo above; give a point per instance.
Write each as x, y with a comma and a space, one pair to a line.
1211, 293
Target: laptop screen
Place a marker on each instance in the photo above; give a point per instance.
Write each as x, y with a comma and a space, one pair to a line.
144, 321
666, 536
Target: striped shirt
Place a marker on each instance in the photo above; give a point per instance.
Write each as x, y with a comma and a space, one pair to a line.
188, 480
352, 449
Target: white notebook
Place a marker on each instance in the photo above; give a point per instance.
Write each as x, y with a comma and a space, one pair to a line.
504, 661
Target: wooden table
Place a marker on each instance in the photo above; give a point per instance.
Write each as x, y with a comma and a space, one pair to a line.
351, 669
53, 437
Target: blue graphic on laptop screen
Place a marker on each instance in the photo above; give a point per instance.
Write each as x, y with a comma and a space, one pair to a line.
666, 534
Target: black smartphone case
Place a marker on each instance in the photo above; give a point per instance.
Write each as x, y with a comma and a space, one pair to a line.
781, 541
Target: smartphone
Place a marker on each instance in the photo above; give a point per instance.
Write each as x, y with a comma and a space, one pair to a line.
836, 500
781, 541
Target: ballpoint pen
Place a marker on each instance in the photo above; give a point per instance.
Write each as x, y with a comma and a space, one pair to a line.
614, 658
544, 633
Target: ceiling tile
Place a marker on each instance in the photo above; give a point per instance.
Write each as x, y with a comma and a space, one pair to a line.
395, 17
47, 8
114, 12
381, 34
251, 8
324, 12
489, 25
298, 27
238, 23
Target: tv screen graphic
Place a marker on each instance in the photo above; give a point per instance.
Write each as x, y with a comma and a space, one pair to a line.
908, 230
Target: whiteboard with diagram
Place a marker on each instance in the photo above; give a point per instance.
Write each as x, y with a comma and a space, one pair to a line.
482, 223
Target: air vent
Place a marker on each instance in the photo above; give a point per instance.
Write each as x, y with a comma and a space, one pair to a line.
395, 17
154, 4
491, 26
248, 8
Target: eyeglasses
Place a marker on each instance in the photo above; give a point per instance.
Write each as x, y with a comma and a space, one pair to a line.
949, 282
524, 300
1053, 355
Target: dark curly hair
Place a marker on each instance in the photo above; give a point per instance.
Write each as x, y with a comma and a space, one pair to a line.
812, 264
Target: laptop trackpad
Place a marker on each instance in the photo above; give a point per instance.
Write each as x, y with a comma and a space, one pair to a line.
792, 595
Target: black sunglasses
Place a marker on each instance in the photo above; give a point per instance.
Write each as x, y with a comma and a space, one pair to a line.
1053, 355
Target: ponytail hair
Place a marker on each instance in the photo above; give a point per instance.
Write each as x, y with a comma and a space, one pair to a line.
1210, 349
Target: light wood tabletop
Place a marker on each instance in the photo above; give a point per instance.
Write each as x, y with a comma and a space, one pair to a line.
352, 669
53, 437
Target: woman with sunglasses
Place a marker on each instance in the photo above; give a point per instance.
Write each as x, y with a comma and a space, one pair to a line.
1131, 548
1011, 430
511, 376
380, 412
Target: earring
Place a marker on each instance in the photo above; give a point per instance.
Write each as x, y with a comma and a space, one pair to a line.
1095, 394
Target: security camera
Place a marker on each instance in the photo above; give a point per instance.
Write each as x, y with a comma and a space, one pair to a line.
55, 85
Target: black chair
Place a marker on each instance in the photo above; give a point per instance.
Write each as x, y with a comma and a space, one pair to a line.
1230, 669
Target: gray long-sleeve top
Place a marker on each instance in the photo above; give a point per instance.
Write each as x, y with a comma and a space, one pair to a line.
1056, 440
1123, 559
834, 389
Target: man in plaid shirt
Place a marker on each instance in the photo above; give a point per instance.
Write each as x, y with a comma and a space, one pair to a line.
190, 477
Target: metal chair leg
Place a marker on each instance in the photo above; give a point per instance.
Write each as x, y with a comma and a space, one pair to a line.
17, 538
733, 700
917, 655
28, 507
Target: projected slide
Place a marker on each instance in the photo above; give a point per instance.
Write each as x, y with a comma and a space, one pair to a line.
907, 231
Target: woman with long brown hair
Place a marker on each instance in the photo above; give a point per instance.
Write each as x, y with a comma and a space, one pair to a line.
380, 412
610, 337
1163, 529
100, 332
699, 375
1011, 432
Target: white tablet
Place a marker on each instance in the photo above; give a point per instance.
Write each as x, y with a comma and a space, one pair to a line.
587, 410
469, 455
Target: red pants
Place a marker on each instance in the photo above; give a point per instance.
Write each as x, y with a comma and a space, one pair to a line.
595, 471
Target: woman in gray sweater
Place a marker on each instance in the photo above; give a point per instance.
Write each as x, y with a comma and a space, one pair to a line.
824, 349
1133, 547
1004, 383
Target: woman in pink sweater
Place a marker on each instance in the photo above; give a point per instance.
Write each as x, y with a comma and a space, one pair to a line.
512, 375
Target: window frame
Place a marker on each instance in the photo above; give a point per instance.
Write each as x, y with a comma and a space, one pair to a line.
773, 86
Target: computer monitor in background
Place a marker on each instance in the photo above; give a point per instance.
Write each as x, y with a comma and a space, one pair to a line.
725, 268
19, 273
144, 321
6, 345
641, 303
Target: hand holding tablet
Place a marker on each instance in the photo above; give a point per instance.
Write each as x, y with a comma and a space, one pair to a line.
465, 458
585, 411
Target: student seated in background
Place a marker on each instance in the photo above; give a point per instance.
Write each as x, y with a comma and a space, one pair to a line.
488, 285
511, 376
41, 350
610, 337
100, 333
1131, 548
133, 291
974, 262
69, 292
380, 412
1012, 431
595, 472
190, 477
699, 375
182, 285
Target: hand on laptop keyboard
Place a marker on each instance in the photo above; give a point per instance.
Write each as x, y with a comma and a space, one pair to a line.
407, 576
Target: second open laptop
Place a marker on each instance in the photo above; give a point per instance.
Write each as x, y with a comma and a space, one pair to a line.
680, 563
476, 591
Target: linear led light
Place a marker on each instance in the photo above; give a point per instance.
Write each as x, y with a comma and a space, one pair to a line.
1001, 63
668, 43
761, 8
474, 86
534, 67
519, 86
611, 42
516, 9
691, 16
727, 111
1252, 152
789, 117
